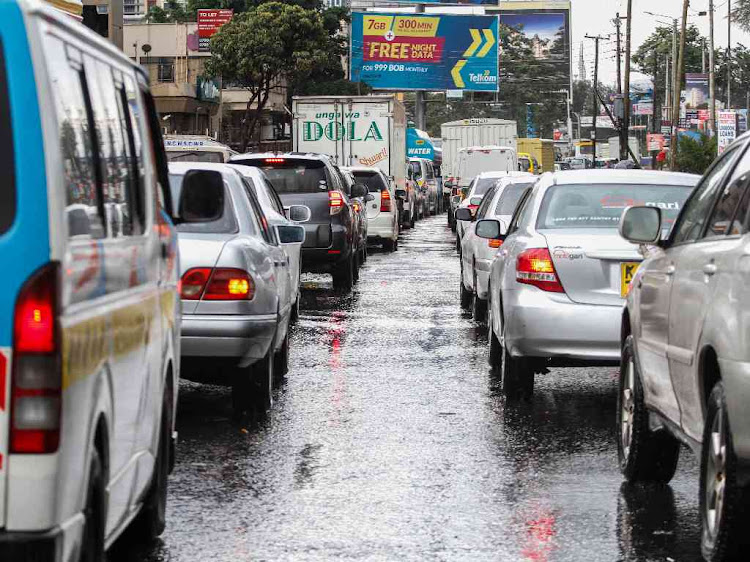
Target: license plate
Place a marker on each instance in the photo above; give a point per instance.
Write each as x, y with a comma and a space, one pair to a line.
627, 272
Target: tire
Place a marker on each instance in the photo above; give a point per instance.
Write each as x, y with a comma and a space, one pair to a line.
92, 548
495, 355
458, 245
153, 516
395, 245
281, 360
357, 263
252, 387
294, 318
389, 245
343, 276
465, 295
516, 377
479, 310
644, 455
724, 518
413, 219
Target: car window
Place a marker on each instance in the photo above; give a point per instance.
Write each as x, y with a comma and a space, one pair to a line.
259, 217
728, 202
483, 185
521, 211
692, 220
510, 197
292, 175
374, 181
227, 224
430, 173
486, 203
84, 207
275, 201
7, 156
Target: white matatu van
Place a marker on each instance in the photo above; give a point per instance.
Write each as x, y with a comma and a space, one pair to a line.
89, 313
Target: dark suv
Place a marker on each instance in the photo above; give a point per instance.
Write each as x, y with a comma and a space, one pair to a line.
330, 235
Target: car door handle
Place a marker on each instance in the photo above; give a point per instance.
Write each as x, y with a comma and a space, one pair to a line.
671, 269
709, 268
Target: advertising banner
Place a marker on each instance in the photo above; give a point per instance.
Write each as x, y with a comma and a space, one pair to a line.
655, 142
726, 129
424, 52
695, 95
419, 144
536, 35
209, 22
643, 108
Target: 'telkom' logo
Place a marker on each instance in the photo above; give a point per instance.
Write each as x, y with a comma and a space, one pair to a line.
483, 78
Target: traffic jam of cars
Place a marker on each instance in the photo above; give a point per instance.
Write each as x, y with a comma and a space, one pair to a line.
136, 261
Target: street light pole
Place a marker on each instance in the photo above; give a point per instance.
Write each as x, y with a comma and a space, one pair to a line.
625, 135
729, 54
678, 86
711, 70
596, 95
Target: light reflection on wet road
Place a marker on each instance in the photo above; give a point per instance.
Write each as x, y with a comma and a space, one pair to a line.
390, 440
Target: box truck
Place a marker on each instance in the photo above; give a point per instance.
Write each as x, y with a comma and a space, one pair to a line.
367, 131
541, 150
474, 132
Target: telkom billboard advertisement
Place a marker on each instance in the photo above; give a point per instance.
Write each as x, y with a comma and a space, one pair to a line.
424, 52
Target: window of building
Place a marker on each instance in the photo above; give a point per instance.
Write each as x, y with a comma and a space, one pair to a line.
165, 69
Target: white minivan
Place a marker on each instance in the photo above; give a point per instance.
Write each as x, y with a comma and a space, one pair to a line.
473, 160
89, 313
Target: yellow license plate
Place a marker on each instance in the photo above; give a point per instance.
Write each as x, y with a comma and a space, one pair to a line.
627, 272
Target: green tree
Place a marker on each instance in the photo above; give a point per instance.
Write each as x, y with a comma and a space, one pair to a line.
171, 13
695, 156
741, 13
264, 47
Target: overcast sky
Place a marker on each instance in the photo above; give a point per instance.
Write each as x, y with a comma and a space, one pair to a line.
595, 17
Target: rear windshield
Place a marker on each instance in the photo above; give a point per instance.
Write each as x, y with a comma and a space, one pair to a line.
195, 156
7, 159
292, 175
601, 205
483, 185
227, 224
372, 180
509, 198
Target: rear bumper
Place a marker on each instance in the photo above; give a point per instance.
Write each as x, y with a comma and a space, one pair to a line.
246, 338
324, 260
541, 324
60, 544
483, 268
382, 227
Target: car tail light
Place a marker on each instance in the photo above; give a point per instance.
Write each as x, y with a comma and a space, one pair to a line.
219, 284
535, 267
385, 201
274, 160
37, 375
355, 206
335, 202
494, 242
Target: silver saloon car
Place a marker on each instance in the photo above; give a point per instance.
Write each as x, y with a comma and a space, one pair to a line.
685, 370
235, 288
557, 286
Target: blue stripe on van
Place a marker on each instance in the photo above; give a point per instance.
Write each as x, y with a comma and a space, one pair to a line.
25, 246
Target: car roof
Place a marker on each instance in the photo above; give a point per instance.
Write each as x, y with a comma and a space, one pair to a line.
355, 169
182, 167
246, 170
296, 155
623, 176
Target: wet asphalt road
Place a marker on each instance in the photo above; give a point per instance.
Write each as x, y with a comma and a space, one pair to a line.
390, 440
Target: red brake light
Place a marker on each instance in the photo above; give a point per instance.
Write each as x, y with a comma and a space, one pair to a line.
274, 160
229, 284
335, 202
37, 375
385, 200
535, 267
193, 283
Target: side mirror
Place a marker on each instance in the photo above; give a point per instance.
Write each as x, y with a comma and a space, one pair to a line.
401, 194
464, 214
359, 190
201, 197
369, 197
291, 233
641, 225
299, 213
490, 228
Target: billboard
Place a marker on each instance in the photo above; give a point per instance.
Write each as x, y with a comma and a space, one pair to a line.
209, 22
696, 95
424, 52
535, 43
726, 129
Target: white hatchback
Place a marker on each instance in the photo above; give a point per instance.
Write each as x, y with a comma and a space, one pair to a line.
382, 211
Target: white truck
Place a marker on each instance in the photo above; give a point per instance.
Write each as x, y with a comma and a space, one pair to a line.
476, 132
368, 131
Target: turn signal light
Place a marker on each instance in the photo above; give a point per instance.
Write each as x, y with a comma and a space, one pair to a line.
385, 201
535, 267
335, 202
220, 284
494, 243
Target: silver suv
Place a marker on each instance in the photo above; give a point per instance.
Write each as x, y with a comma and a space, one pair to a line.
685, 369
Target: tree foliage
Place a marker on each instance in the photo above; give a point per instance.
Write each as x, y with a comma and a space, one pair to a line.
265, 46
171, 13
741, 13
695, 156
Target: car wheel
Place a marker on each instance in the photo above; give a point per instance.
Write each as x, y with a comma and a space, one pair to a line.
343, 276
479, 311
458, 244
724, 517
262, 378
389, 245
357, 263
644, 455
495, 355
281, 360
516, 378
465, 295
92, 548
413, 219
153, 516
395, 245
294, 317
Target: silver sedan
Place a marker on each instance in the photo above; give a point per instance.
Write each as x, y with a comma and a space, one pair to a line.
235, 288
557, 286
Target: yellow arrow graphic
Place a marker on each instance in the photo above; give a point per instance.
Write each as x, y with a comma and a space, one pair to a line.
456, 73
476, 41
490, 38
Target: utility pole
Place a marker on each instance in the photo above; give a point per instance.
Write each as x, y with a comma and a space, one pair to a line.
419, 103
618, 23
595, 111
711, 70
678, 86
625, 128
703, 55
729, 54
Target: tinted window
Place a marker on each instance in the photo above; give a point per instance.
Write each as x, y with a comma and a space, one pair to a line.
195, 156
485, 205
373, 180
227, 224
82, 198
483, 185
292, 175
430, 175
259, 218
728, 203
510, 197
692, 220
601, 205
7, 157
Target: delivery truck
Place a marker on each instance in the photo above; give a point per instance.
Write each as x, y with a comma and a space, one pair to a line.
541, 150
474, 132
